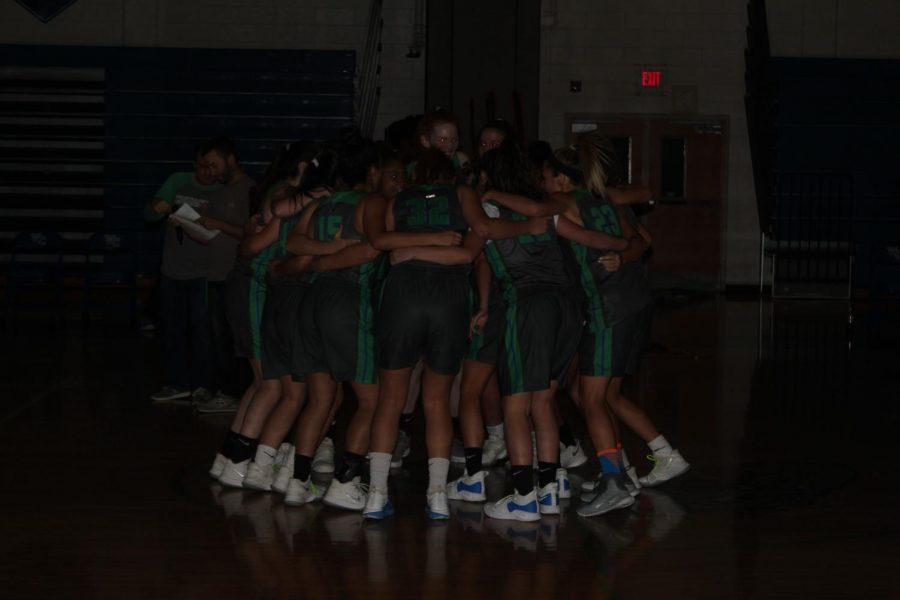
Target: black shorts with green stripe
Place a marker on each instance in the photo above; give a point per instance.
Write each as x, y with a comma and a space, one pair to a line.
424, 312
485, 345
614, 351
336, 331
538, 336
281, 346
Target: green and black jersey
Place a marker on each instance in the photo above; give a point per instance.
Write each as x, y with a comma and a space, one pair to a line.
430, 208
337, 213
614, 296
528, 262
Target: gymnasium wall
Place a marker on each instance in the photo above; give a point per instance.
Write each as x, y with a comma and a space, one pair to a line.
310, 24
701, 42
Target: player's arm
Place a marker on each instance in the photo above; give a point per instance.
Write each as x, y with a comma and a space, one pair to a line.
528, 207
450, 255
494, 229
257, 242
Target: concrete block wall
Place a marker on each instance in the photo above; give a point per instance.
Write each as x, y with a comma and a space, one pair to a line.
701, 42
311, 24
834, 28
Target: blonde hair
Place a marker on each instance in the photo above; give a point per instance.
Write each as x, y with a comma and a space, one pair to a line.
597, 158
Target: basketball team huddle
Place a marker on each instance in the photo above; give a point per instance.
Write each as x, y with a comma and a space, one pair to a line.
487, 290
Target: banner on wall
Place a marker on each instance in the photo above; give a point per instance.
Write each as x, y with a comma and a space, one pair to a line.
45, 10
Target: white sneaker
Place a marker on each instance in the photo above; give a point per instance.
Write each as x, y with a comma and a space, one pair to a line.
401, 450
609, 495
571, 456
233, 474
351, 495
469, 488
170, 394
457, 452
378, 505
564, 486
301, 492
437, 508
220, 403
514, 508
215, 471
635, 485
284, 473
323, 459
666, 468
493, 451
285, 449
258, 478
548, 499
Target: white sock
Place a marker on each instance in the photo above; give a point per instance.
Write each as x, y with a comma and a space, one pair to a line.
437, 474
379, 467
660, 446
495, 431
265, 456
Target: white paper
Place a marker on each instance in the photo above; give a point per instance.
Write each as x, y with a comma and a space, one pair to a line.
185, 216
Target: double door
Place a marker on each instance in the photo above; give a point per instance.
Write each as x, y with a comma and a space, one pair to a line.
682, 160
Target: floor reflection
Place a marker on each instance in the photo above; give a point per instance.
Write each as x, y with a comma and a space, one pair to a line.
787, 412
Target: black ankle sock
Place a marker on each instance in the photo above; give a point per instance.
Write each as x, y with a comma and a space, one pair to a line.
330, 432
565, 435
473, 460
244, 449
302, 467
228, 444
523, 479
406, 422
546, 473
349, 467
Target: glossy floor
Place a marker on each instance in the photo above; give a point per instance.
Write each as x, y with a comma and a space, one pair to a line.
787, 413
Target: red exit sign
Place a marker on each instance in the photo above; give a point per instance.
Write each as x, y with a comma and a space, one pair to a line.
650, 80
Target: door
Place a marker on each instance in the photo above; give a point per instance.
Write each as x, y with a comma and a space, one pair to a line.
682, 162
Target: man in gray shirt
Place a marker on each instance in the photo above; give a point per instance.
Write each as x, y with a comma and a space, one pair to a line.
182, 287
228, 212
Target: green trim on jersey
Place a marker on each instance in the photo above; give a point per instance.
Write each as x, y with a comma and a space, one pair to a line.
365, 340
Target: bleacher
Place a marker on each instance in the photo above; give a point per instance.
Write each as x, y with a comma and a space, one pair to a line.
87, 134
823, 143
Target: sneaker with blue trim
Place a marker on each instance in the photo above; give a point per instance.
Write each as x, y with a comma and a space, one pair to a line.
378, 505
548, 499
469, 488
437, 507
515, 508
